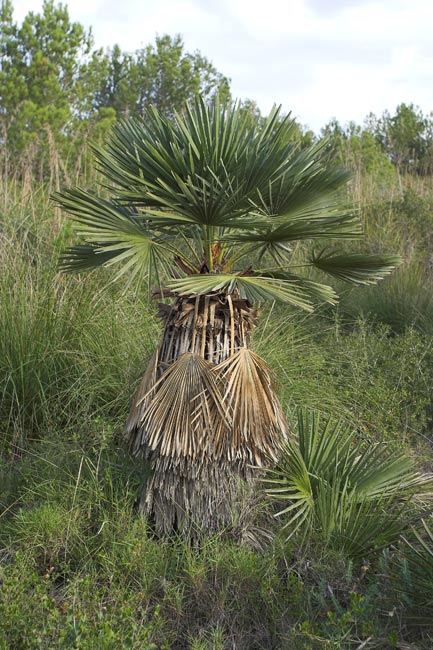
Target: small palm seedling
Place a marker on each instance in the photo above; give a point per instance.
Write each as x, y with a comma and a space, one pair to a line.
350, 498
205, 208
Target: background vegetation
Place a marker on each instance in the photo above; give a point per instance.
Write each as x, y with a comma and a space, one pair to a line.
78, 567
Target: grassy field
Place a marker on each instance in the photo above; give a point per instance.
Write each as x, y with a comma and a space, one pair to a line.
79, 568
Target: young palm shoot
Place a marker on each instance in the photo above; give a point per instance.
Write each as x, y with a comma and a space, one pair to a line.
205, 208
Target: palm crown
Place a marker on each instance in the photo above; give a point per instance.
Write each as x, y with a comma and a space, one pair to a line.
197, 197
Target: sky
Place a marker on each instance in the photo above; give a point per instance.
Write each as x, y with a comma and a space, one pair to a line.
320, 59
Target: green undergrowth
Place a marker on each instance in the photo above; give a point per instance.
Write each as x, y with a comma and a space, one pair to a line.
69, 352
362, 372
81, 569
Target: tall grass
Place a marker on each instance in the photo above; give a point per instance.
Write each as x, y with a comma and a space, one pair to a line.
402, 301
399, 218
359, 370
69, 352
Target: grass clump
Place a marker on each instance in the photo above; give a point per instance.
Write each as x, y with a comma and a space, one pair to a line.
67, 353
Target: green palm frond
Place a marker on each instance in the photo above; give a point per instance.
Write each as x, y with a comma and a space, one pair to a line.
413, 578
303, 201
210, 187
304, 185
353, 497
84, 257
315, 290
377, 471
291, 289
284, 230
293, 487
425, 540
113, 233
356, 268
204, 165
359, 527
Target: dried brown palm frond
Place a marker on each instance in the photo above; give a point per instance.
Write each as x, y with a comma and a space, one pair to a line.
182, 416
258, 423
214, 497
209, 325
205, 426
194, 498
139, 401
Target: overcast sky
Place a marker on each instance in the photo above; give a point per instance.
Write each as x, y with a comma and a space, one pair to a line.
319, 58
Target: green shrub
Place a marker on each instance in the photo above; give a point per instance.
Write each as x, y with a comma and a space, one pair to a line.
39, 612
342, 494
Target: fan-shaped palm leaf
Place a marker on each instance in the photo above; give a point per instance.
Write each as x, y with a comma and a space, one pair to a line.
347, 494
211, 179
256, 415
356, 268
414, 576
114, 233
205, 164
288, 288
184, 418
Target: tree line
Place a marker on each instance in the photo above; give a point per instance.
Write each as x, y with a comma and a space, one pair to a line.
57, 89
57, 92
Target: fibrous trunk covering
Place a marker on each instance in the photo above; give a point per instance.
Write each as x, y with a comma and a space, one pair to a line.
204, 414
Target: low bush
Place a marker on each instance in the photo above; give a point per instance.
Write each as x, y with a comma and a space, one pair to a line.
348, 496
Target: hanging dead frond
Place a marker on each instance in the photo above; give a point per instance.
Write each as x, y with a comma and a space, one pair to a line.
183, 417
207, 325
258, 423
139, 402
193, 498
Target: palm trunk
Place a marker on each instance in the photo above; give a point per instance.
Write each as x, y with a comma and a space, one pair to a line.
204, 414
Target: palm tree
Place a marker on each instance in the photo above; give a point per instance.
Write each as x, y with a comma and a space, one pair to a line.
205, 208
